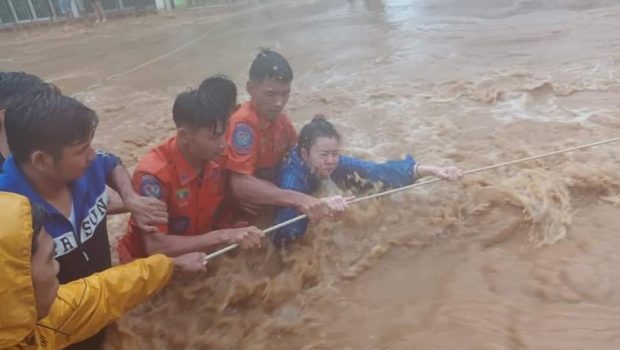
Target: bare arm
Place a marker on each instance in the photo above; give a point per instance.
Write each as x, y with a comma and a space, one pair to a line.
120, 181
446, 173
175, 245
256, 191
115, 203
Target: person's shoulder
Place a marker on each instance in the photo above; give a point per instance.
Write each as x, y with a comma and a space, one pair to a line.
106, 156
292, 168
8, 183
244, 114
73, 299
285, 120
220, 162
158, 161
103, 162
5, 182
67, 293
66, 304
242, 136
292, 159
346, 160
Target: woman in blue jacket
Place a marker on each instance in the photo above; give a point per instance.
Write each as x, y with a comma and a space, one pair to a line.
317, 157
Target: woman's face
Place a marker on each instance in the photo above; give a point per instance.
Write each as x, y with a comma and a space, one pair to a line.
323, 156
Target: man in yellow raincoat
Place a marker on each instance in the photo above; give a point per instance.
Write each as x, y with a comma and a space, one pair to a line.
36, 312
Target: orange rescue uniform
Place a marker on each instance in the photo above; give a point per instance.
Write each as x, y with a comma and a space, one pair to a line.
194, 200
256, 146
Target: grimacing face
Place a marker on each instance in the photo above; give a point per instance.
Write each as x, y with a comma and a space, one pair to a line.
323, 156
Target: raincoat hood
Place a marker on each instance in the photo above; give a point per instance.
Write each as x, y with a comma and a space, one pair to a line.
18, 315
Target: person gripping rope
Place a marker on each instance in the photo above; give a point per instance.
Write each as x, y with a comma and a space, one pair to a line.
54, 164
259, 137
186, 172
317, 157
41, 314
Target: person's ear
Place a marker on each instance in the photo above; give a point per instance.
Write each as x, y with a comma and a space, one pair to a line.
42, 161
305, 155
183, 134
250, 86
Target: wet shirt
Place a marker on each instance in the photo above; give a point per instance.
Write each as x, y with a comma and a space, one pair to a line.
256, 146
193, 199
84, 249
296, 175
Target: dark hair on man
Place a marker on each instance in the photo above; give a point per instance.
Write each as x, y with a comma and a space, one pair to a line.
318, 127
39, 89
15, 85
39, 217
201, 109
269, 64
48, 122
219, 87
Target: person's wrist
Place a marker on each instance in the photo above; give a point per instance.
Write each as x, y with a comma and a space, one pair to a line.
297, 199
225, 237
431, 170
130, 200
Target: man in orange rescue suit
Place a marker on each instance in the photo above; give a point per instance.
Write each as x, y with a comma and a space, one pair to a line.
186, 173
259, 137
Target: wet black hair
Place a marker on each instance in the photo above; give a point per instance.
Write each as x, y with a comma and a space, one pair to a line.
269, 64
219, 87
201, 109
14, 86
318, 127
15, 83
48, 122
39, 217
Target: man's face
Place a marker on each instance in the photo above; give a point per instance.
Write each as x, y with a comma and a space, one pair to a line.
74, 160
44, 271
269, 97
206, 143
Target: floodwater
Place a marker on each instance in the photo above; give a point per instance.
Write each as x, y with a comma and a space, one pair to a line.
524, 257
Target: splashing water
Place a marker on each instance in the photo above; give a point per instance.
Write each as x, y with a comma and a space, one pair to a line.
518, 258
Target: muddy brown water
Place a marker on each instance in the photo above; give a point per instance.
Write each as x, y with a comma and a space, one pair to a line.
523, 257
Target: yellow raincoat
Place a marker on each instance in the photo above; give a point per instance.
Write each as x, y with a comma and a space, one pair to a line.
82, 307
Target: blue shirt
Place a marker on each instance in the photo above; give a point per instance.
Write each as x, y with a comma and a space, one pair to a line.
82, 253
295, 175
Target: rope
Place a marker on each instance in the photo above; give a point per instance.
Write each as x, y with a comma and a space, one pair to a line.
424, 183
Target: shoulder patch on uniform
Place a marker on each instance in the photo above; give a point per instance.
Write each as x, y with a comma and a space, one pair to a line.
151, 187
243, 138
